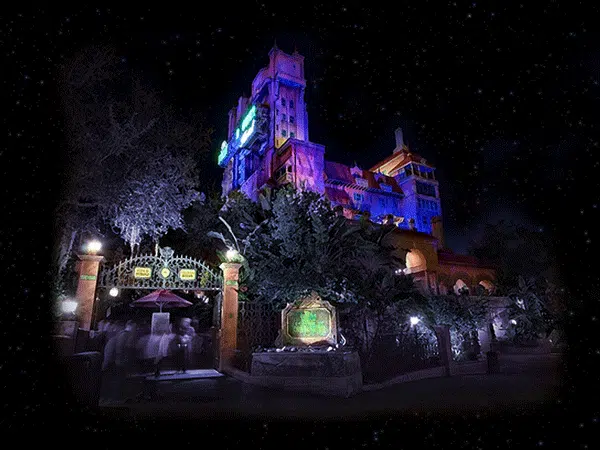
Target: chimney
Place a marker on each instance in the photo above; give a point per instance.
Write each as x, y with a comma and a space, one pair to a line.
437, 231
399, 140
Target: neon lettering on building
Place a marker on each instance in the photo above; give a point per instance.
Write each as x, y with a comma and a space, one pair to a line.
242, 134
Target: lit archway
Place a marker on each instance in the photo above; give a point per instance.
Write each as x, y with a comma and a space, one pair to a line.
487, 285
459, 286
415, 261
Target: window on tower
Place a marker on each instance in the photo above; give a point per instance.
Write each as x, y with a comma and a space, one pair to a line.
425, 189
291, 103
362, 182
292, 134
283, 102
291, 119
283, 133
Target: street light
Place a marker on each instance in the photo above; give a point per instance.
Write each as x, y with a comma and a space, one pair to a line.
414, 320
113, 292
231, 254
68, 306
93, 247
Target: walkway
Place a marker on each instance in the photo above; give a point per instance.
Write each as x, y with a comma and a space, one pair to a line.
525, 381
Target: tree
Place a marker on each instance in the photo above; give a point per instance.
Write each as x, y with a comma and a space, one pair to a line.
464, 315
526, 263
381, 307
531, 318
515, 251
130, 161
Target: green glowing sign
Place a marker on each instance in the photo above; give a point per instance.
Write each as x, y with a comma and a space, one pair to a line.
223, 152
247, 134
241, 135
249, 117
309, 323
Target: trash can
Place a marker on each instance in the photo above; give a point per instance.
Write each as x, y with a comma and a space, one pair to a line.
492, 362
85, 372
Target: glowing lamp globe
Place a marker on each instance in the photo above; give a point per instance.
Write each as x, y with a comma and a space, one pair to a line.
93, 247
414, 320
69, 306
113, 292
513, 321
231, 254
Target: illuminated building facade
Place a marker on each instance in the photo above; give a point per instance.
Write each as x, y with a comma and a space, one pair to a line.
268, 146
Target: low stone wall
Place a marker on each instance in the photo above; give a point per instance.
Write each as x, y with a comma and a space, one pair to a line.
434, 372
329, 386
309, 364
537, 349
323, 373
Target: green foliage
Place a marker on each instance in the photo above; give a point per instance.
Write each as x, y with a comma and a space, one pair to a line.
527, 309
515, 251
293, 243
463, 314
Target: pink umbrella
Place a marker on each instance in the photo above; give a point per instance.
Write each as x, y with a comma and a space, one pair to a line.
160, 298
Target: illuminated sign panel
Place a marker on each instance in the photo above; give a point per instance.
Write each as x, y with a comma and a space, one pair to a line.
247, 134
187, 274
142, 272
242, 134
223, 152
314, 323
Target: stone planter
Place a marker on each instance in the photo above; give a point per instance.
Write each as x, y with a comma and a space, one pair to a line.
335, 373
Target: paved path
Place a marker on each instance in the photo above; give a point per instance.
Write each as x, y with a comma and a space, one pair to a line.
525, 381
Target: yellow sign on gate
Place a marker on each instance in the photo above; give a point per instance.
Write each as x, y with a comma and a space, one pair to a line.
187, 274
142, 272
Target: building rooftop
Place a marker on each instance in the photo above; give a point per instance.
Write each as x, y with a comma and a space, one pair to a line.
399, 159
343, 173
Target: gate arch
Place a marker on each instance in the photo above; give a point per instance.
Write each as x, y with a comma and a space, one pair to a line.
162, 271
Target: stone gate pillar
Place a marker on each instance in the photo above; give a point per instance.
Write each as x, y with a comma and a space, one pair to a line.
86, 288
445, 349
229, 315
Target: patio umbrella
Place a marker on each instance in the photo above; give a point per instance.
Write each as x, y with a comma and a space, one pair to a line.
161, 298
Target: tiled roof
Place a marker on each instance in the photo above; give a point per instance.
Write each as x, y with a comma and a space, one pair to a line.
403, 156
341, 172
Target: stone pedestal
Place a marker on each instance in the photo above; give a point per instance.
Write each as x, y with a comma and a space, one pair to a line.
335, 373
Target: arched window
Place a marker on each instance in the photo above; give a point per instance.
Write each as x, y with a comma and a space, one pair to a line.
460, 286
415, 261
487, 285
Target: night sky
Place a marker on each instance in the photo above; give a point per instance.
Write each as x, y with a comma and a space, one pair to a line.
503, 101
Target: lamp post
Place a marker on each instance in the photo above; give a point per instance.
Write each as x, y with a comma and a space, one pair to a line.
68, 306
231, 255
89, 264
